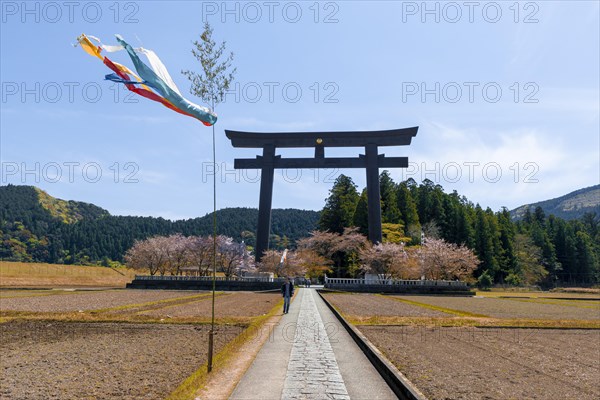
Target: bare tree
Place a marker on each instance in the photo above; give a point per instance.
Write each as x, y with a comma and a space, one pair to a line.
211, 85
431, 230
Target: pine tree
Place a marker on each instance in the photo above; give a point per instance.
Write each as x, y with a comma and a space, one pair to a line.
408, 210
563, 240
586, 260
539, 216
430, 204
457, 225
389, 204
540, 238
340, 206
484, 243
507, 258
361, 214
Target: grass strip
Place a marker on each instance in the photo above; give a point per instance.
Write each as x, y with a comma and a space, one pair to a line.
540, 294
116, 318
566, 303
161, 303
179, 303
437, 308
472, 322
190, 386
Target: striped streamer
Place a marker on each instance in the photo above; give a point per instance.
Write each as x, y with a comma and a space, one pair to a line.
152, 82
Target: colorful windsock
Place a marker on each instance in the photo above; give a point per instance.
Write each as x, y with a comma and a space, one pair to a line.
152, 82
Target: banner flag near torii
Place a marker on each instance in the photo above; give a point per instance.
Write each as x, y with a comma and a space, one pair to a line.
154, 77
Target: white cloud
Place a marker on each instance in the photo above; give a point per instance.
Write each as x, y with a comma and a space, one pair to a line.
506, 168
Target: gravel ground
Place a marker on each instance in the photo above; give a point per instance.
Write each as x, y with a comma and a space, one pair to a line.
513, 308
88, 300
236, 304
43, 360
475, 363
370, 304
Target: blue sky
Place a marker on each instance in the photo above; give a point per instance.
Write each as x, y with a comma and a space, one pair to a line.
505, 94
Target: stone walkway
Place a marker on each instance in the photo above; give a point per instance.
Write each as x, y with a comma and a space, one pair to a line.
311, 356
312, 370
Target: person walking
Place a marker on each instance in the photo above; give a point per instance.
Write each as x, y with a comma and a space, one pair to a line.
287, 291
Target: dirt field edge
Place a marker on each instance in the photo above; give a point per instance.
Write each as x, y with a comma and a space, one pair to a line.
194, 386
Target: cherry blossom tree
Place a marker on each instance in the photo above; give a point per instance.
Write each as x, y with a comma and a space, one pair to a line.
387, 259
230, 255
282, 263
314, 265
200, 251
341, 249
169, 254
177, 251
148, 255
443, 260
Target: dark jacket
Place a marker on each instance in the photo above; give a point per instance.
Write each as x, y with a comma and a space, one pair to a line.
291, 289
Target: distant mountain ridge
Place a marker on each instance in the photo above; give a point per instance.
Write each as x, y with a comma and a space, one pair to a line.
570, 206
35, 226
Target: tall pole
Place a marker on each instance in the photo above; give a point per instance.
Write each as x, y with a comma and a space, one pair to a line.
211, 333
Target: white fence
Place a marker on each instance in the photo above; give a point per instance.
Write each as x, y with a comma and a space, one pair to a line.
205, 278
396, 282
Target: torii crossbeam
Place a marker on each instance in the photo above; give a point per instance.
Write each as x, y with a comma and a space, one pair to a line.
371, 161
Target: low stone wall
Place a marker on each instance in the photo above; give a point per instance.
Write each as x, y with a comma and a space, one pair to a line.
190, 284
409, 289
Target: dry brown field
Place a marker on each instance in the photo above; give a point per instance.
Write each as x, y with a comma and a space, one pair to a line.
57, 360
118, 344
512, 307
85, 300
494, 363
491, 347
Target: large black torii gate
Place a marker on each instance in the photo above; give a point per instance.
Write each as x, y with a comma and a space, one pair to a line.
371, 161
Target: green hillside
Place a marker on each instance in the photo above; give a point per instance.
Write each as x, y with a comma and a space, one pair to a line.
35, 226
571, 206
539, 248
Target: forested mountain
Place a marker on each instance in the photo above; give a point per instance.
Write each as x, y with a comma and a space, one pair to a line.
35, 226
571, 206
537, 249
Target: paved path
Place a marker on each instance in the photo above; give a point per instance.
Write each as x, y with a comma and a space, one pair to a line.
311, 356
